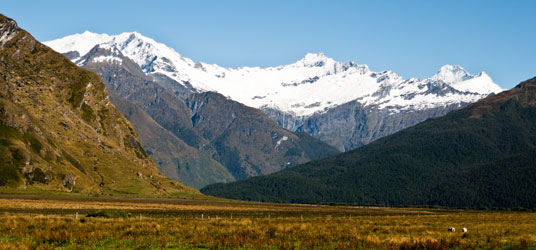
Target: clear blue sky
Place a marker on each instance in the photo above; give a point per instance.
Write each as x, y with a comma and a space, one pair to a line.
412, 38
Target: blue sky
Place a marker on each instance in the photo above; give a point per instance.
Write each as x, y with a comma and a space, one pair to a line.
412, 38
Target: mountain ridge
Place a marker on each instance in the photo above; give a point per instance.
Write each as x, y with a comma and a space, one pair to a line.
314, 69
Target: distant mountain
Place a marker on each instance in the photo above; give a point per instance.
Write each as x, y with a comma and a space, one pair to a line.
481, 156
198, 138
59, 131
344, 104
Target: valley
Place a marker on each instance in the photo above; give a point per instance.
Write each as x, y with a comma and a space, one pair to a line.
121, 142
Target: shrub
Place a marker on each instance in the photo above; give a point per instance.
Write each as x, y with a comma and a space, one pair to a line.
110, 214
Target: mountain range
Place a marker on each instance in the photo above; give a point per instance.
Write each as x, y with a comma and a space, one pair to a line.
481, 156
59, 132
304, 95
241, 133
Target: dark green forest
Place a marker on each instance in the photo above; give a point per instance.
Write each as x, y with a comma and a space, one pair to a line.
482, 156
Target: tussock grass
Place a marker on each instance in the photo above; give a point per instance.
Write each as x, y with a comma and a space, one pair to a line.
488, 231
187, 224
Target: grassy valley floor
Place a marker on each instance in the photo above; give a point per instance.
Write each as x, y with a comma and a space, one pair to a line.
47, 222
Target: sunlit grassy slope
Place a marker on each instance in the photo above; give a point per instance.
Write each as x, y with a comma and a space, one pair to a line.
60, 133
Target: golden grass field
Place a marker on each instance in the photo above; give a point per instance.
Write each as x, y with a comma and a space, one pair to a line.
41, 222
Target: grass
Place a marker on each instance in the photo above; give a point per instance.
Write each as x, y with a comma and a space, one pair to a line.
87, 113
29, 222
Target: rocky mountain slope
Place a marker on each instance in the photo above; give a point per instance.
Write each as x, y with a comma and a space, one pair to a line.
198, 138
175, 158
309, 95
59, 131
481, 156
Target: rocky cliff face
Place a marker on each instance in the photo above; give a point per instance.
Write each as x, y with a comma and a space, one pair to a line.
59, 131
198, 138
352, 124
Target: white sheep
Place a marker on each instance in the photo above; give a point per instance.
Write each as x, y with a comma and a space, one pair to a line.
451, 229
464, 230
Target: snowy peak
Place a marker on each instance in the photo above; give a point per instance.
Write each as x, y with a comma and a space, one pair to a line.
315, 83
81, 43
328, 65
315, 60
452, 73
458, 78
136, 40
481, 83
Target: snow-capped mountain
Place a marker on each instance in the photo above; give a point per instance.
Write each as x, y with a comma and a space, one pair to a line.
314, 84
342, 103
198, 138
